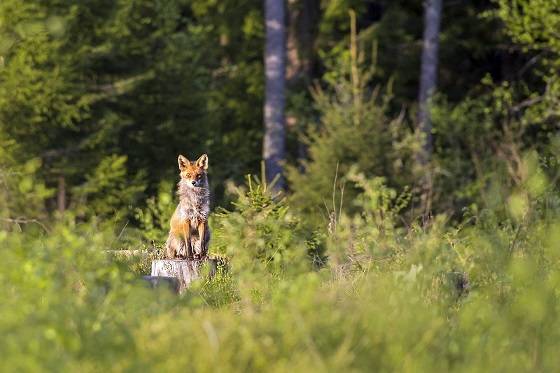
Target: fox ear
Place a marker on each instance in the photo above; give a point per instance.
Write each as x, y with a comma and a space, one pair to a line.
183, 162
202, 162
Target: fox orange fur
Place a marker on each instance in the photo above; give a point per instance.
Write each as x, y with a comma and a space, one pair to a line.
189, 234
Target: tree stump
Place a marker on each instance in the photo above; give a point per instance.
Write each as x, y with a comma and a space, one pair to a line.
185, 271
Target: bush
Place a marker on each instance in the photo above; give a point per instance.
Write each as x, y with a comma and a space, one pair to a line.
22, 193
262, 234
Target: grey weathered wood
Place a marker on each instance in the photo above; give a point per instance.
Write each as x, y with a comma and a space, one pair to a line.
185, 271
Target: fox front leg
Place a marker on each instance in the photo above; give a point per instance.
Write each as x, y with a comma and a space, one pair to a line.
187, 237
171, 246
201, 239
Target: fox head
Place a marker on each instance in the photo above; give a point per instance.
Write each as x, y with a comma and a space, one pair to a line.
193, 174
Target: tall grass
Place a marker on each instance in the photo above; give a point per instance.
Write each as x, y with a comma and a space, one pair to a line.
481, 296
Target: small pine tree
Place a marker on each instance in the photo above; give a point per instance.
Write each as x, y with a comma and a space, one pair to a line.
353, 129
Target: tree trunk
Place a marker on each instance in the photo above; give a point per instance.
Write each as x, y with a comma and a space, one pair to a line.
428, 76
303, 18
274, 144
428, 81
61, 194
302, 30
185, 271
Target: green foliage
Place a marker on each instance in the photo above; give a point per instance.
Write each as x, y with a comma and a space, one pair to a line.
509, 119
532, 26
22, 193
480, 296
354, 131
337, 274
532, 23
372, 233
80, 82
67, 299
261, 234
108, 191
154, 219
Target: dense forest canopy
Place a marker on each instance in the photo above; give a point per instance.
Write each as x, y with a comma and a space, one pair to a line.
99, 97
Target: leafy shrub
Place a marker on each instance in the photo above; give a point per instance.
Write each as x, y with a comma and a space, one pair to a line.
108, 191
154, 219
22, 193
262, 233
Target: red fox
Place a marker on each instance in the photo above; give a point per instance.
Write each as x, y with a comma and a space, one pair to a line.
189, 234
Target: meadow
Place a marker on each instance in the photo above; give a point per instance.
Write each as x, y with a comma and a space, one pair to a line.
379, 295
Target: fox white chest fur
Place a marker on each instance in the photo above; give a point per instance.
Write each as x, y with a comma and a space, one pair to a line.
194, 203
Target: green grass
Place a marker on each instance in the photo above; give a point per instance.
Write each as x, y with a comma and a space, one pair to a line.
481, 296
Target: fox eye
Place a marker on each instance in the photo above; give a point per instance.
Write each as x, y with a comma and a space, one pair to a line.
198, 176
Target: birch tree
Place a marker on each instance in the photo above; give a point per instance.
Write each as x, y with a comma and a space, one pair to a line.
275, 56
428, 74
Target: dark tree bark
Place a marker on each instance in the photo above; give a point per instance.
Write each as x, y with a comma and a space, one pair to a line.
274, 144
303, 16
61, 194
428, 82
428, 75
